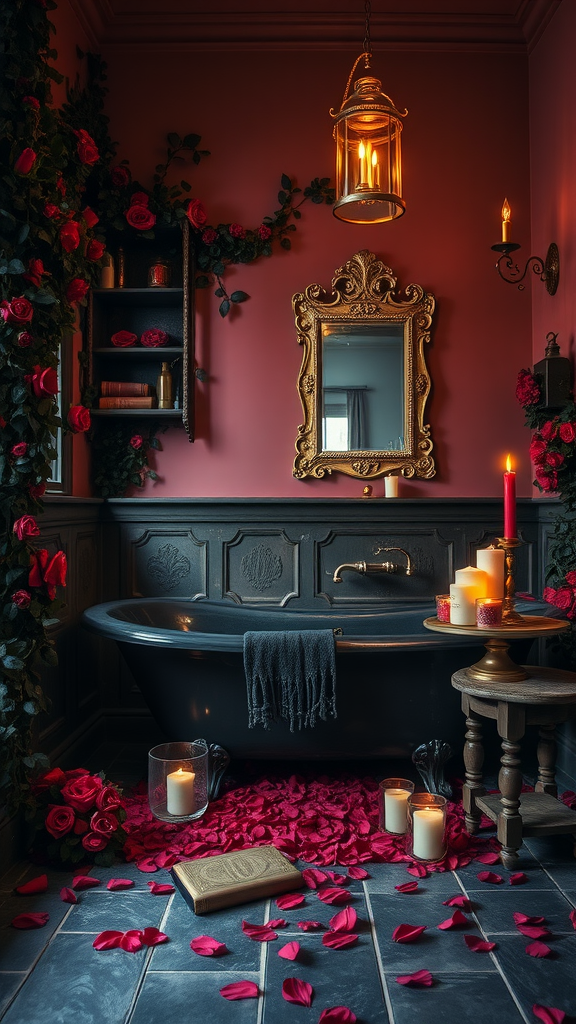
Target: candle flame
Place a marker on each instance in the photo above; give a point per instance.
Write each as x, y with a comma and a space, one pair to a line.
361, 150
374, 158
508, 464
180, 771
506, 212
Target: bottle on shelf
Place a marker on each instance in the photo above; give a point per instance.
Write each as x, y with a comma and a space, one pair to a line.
107, 273
164, 388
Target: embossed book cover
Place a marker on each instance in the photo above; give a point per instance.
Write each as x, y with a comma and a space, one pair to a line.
232, 878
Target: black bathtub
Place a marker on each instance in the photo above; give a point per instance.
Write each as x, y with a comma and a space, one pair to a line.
393, 675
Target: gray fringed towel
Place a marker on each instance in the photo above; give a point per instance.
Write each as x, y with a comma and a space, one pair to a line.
290, 675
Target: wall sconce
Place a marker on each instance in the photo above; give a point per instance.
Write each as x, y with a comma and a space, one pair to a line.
547, 269
367, 130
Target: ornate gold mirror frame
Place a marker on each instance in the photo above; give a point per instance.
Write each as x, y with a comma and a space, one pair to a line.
363, 311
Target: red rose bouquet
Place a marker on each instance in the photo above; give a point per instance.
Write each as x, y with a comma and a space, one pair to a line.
79, 817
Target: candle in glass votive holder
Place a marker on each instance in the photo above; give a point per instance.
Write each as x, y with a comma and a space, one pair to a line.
443, 607
426, 826
488, 612
392, 804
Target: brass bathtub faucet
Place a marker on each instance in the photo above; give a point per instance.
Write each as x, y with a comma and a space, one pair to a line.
373, 568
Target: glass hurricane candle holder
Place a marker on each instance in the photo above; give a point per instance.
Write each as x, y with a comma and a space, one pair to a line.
392, 805
426, 831
488, 612
443, 607
178, 780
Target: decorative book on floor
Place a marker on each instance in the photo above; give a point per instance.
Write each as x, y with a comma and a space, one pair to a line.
232, 878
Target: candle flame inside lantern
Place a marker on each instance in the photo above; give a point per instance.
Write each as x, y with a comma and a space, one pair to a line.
508, 464
361, 150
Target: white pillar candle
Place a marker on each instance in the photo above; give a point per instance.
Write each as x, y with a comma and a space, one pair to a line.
180, 792
428, 833
491, 560
391, 486
463, 605
472, 577
396, 810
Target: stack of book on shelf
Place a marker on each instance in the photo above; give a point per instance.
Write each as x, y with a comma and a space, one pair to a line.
121, 394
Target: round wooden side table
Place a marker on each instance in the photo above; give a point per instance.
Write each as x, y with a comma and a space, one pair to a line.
514, 696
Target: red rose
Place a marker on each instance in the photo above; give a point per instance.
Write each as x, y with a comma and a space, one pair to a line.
17, 311
2, 423
537, 449
571, 578
120, 176
527, 390
108, 799
80, 827
95, 249
59, 821
79, 419
31, 101
24, 339
19, 450
25, 161
563, 598
55, 777
76, 290
26, 526
81, 792
567, 432
196, 213
43, 382
89, 217
154, 338
140, 217
137, 441
237, 231
139, 199
35, 272
21, 598
86, 148
104, 823
123, 339
51, 211
264, 232
94, 842
70, 235
61, 186
51, 571
37, 490
554, 459
209, 236
547, 481
549, 430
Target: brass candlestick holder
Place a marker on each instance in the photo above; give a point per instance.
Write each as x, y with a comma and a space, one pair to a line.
510, 616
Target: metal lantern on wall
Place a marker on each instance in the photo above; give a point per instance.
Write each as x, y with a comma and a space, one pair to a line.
368, 131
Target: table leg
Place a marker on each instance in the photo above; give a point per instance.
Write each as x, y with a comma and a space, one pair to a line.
546, 753
511, 725
473, 761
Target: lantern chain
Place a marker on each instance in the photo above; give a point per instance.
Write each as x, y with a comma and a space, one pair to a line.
367, 40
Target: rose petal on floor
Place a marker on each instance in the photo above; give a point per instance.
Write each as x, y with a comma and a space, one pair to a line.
489, 876
205, 945
240, 990
276, 922
314, 878
119, 884
478, 945
68, 895
27, 921
160, 889
344, 920
533, 931
418, 870
358, 874
423, 978
407, 887
337, 1015
131, 941
84, 882
548, 1014
334, 895
526, 918
456, 921
153, 936
290, 900
107, 940
572, 916
289, 951
518, 878
339, 940
310, 926
459, 901
488, 858
35, 885
294, 990
538, 949
407, 932
258, 932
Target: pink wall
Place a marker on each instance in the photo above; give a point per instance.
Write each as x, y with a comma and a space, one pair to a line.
262, 114
553, 173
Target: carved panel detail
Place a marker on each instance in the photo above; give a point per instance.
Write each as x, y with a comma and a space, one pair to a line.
168, 566
261, 567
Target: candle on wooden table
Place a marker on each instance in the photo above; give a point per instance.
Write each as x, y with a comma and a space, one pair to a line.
180, 792
428, 833
463, 605
396, 810
491, 561
509, 501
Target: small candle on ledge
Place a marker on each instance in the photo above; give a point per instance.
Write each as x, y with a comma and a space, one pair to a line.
180, 793
391, 486
396, 810
509, 500
506, 212
428, 833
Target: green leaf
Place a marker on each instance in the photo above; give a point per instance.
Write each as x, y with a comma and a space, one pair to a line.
224, 308
186, 186
174, 140
296, 214
16, 267
286, 243
239, 296
219, 293
191, 140
23, 234
286, 182
202, 281
12, 663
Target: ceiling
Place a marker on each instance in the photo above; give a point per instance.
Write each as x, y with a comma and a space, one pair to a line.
512, 25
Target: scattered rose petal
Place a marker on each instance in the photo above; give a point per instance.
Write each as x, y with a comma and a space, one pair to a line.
548, 1014
159, 889
455, 921
311, 926
84, 882
337, 1015
240, 990
339, 940
407, 887
488, 858
289, 951
518, 878
526, 919
258, 932
297, 991
153, 936
533, 931
204, 945
334, 895
291, 899
459, 901
357, 873
35, 885
418, 870
131, 941
146, 864
336, 878
314, 878
107, 940
276, 922
539, 949
478, 945
423, 978
119, 884
489, 876
68, 895
344, 920
407, 932
572, 916
25, 921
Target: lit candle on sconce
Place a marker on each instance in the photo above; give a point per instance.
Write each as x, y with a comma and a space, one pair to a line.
506, 214
509, 500
362, 164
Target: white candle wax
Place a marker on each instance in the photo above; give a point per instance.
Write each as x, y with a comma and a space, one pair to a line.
391, 486
395, 810
180, 792
428, 833
491, 560
472, 577
463, 605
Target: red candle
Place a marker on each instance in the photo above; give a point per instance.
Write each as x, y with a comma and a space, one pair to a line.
509, 500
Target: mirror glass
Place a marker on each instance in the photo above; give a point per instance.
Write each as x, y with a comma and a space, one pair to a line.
363, 400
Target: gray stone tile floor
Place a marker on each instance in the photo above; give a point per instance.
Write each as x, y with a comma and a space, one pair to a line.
53, 975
